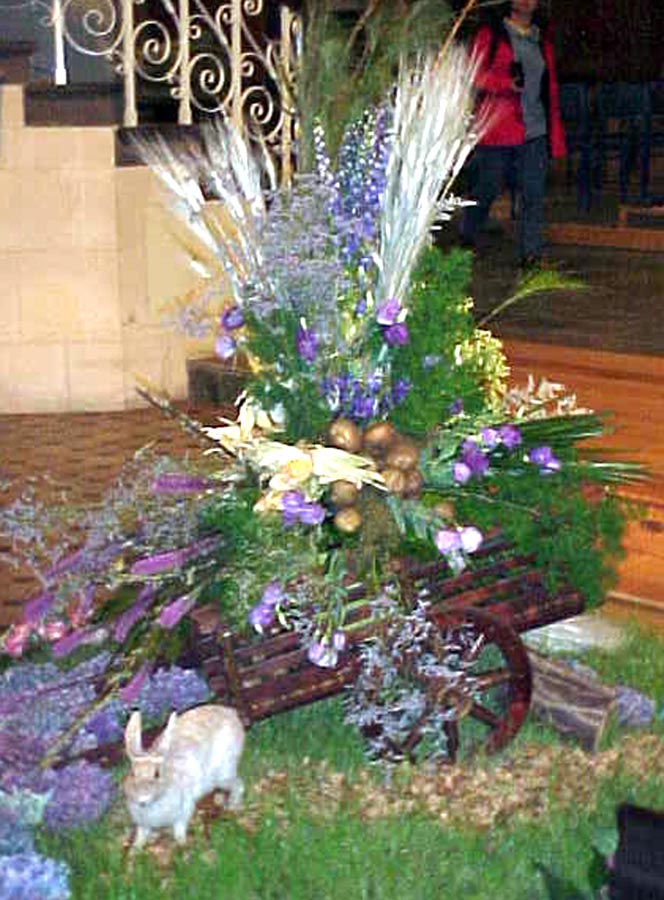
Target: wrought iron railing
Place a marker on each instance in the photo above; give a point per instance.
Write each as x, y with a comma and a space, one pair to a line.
211, 55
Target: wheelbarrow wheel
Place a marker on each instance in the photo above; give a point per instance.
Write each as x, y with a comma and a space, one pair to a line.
484, 695
447, 685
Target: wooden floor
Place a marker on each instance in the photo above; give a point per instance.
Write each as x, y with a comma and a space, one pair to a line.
631, 388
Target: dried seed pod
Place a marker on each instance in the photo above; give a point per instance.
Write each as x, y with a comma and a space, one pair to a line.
348, 520
344, 493
379, 436
414, 483
345, 435
395, 480
403, 455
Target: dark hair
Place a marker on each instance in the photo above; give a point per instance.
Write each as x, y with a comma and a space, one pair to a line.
493, 18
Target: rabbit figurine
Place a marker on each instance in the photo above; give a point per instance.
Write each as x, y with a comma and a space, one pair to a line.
196, 753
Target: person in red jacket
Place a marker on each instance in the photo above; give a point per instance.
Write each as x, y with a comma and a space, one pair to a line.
518, 92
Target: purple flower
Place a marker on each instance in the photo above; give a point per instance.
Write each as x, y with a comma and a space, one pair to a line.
35, 609
339, 641
400, 390
447, 540
361, 307
224, 346
544, 458
173, 612
510, 436
273, 594
456, 407
388, 312
132, 689
474, 458
312, 514
321, 654
158, 562
396, 335
306, 344
296, 508
69, 643
232, 318
27, 876
490, 437
126, 620
179, 483
634, 709
261, 616
461, 472
471, 539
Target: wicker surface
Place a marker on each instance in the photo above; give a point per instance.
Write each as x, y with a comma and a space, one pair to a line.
82, 453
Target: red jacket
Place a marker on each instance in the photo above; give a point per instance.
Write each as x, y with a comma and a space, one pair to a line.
502, 103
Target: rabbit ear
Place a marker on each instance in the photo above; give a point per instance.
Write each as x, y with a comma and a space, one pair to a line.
163, 744
133, 743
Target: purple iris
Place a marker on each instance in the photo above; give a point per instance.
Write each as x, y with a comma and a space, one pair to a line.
396, 335
476, 460
232, 318
261, 616
490, 437
447, 540
461, 472
273, 594
510, 436
306, 344
545, 459
296, 508
224, 346
388, 312
321, 654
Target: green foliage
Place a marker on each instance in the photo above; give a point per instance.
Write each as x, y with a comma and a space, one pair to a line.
347, 66
284, 378
439, 322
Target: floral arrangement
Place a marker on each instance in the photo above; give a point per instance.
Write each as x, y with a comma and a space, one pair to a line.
376, 422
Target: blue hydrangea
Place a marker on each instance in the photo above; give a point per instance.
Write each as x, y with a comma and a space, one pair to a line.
30, 876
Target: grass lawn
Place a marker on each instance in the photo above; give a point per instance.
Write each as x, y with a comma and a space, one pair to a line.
319, 822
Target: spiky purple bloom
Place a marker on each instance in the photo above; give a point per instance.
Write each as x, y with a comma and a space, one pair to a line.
396, 335
132, 689
79, 793
400, 390
306, 344
69, 643
175, 611
545, 459
36, 608
180, 483
158, 562
126, 620
232, 318
510, 436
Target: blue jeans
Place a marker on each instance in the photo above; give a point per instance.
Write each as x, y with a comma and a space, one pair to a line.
525, 167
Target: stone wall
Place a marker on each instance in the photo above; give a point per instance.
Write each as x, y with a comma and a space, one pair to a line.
87, 262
